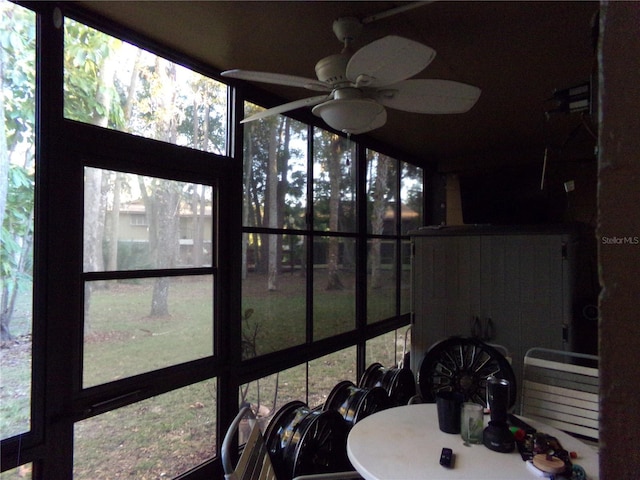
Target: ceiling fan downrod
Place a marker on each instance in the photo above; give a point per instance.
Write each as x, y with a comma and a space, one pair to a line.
347, 29
394, 11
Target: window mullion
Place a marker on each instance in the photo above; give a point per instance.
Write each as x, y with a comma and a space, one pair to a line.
62, 197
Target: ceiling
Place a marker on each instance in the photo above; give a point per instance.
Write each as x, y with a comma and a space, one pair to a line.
517, 52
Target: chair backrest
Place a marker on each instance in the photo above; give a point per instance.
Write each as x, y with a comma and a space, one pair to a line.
254, 462
561, 389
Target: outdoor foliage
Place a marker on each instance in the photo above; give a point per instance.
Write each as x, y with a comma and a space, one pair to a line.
17, 167
111, 84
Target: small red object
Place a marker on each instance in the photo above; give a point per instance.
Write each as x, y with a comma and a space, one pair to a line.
573, 454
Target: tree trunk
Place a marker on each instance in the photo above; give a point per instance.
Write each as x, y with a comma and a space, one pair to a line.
93, 220
92, 241
115, 210
133, 85
283, 184
115, 224
93, 259
377, 218
272, 206
166, 200
199, 210
246, 203
333, 251
166, 197
199, 213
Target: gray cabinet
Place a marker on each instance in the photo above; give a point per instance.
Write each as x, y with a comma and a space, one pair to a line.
511, 287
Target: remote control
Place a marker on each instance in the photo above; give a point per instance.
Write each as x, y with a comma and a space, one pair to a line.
446, 458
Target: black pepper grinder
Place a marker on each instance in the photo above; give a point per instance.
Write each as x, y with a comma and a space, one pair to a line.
496, 435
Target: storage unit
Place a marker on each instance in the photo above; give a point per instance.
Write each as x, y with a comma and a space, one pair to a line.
509, 286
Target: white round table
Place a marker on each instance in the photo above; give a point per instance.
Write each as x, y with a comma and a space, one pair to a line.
404, 443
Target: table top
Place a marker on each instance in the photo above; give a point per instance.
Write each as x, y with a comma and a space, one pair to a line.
405, 443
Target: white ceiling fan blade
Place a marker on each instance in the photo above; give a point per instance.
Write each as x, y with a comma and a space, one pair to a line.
430, 96
278, 79
286, 107
388, 60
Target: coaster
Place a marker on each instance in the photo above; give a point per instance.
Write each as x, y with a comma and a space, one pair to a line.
548, 463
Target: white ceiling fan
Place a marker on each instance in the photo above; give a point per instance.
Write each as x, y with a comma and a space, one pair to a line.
361, 84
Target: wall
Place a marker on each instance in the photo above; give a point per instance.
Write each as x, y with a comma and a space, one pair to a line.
518, 187
516, 194
619, 217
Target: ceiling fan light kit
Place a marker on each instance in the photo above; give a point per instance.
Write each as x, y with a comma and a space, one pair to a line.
362, 84
351, 115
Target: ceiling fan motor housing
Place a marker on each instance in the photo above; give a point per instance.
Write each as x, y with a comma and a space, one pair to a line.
332, 69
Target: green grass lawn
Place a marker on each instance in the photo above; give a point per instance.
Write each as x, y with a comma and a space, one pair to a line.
15, 367
123, 340
159, 437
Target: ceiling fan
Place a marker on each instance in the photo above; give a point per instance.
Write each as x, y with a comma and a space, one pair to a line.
361, 84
